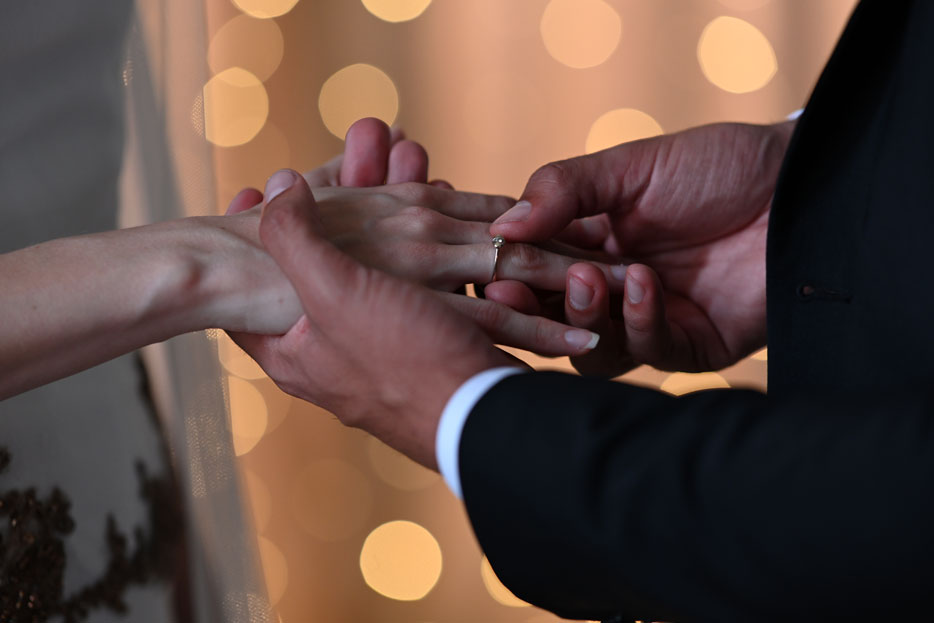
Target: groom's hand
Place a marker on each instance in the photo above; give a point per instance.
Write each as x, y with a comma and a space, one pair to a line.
688, 214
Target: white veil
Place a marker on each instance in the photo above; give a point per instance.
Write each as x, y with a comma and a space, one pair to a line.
168, 173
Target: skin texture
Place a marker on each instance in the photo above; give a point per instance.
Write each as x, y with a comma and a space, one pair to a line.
423, 232
73, 303
368, 340
688, 214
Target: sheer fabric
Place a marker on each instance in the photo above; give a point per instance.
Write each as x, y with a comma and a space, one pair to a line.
168, 174
100, 112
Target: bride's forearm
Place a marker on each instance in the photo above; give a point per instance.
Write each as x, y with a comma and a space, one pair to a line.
73, 303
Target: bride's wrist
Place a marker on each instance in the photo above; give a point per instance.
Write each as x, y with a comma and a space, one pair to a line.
232, 283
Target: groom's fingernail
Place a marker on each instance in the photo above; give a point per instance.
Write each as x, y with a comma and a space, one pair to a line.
518, 212
580, 295
279, 182
582, 338
634, 291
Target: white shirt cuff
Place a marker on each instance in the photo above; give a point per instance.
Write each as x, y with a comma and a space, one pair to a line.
795, 114
453, 418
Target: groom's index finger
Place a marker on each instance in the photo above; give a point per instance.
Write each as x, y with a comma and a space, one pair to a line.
555, 195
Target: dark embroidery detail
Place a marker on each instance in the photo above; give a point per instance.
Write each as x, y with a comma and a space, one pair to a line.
32, 552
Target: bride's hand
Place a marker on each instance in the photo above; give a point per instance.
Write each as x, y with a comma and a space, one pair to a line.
251, 293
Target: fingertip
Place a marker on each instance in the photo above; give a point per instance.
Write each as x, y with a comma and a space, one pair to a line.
408, 162
366, 151
639, 279
244, 200
285, 192
367, 127
644, 313
441, 184
396, 134
586, 291
279, 182
582, 339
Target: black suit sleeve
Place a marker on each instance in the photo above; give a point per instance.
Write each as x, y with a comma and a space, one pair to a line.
596, 499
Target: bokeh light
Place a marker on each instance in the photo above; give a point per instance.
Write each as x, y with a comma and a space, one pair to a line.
265, 9
275, 569
580, 33
331, 499
253, 44
235, 361
235, 107
396, 10
620, 126
355, 92
248, 414
735, 56
397, 469
401, 560
496, 589
681, 383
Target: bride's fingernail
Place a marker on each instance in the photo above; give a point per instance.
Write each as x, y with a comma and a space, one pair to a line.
582, 338
518, 212
279, 182
619, 272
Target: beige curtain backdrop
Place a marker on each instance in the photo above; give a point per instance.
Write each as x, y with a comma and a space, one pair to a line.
346, 529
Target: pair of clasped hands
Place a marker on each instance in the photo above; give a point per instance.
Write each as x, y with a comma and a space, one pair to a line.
656, 246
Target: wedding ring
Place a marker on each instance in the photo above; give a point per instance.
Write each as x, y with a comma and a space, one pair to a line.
498, 242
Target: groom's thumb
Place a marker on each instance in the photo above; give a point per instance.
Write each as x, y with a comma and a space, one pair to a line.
555, 195
291, 232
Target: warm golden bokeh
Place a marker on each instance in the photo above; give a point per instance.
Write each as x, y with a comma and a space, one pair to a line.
354, 92
253, 44
580, 33
401, 560
492, 89
495, 588
235, 107
735, 55
620, 126
248, 414
396, 10
235, 361
398, 470
331, 499
681, 383
265, 9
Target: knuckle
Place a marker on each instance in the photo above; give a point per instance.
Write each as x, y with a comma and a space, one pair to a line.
553, 175
413, 193
418, 221
527, 258
489, 314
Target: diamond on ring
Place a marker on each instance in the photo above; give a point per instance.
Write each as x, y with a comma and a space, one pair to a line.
498, 242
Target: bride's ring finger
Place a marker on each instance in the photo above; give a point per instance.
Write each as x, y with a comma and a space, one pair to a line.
532, 265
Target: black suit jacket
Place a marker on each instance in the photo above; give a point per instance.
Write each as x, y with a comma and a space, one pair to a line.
595, 499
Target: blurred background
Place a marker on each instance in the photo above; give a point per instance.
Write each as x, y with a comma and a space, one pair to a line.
349, 530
